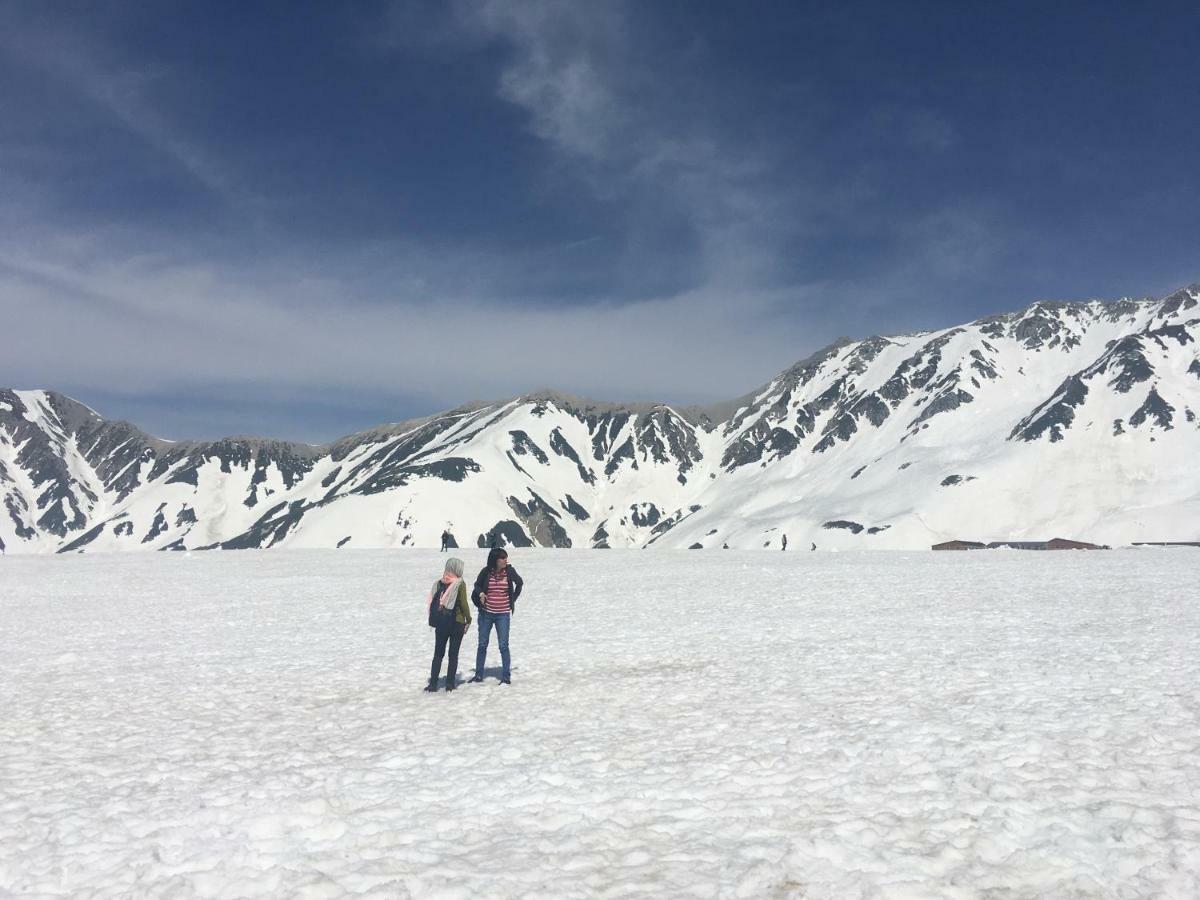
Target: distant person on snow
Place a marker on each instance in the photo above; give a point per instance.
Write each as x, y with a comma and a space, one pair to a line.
445, 540
450, 617
496, 591
785, 542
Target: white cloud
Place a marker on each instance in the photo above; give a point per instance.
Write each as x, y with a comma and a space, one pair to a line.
132, 311
128, 323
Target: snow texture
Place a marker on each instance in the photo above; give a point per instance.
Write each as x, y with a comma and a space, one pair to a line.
737, 724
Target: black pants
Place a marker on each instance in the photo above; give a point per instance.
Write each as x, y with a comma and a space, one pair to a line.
452, 634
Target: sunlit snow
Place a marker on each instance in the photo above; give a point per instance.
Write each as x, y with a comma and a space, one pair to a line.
732, 724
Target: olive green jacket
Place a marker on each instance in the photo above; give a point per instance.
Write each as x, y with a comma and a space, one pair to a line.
462, 606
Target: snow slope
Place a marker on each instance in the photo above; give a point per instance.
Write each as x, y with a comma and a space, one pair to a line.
884, 725
1069, 420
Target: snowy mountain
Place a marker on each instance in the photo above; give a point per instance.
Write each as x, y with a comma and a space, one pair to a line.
1064, 419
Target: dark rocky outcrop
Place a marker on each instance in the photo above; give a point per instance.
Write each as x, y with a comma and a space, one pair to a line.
505, 533
852, 527
1055, 415
1155, 408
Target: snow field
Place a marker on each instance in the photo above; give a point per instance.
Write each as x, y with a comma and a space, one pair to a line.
718, 724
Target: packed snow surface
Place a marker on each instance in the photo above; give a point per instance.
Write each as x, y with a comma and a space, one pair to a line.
706, 724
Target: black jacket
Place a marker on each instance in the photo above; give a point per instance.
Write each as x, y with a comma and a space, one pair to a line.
481, 584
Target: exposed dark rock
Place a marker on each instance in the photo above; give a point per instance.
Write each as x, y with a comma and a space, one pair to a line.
665, 437
695, 546
523, 444
1156, 408
878, 528
389, 464
573, 507
839, 428
563, 448
1178, 301
541, 521
157, 527
119, 453
983, 366
516, 465
1055, 414
600, 538
772, 409
625, 452
1037, 329
123, 529
62, 513
852, 527
271, 528
865, 354
1178, 333
16, 507
872, 407
761, 440
670, 522
343, 542
916, 371
604, 430
1128, 363
187, 516
1194, 368
453, 468
944, 402
83, 540
858, 472
187, 474
645, 515
259, 476
505, 533
956, 479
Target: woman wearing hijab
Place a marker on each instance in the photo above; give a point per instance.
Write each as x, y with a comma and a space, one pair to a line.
450, 617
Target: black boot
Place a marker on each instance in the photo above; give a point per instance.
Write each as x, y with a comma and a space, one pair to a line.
451, 682
432, 686
477, 677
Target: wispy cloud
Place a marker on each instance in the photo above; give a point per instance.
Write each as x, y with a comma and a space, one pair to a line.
631, 116
122, 90
714, 237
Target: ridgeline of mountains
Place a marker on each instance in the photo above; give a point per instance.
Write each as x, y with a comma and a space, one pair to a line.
1064, 419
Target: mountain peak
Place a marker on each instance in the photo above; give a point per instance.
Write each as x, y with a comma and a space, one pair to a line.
888, 442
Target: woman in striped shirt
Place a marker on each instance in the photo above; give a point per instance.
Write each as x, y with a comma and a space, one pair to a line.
496, 591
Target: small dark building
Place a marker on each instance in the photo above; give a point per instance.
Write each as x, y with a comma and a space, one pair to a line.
960, 545
1065, 544
1054, 544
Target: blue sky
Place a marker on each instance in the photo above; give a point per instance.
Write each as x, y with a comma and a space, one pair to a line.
303, 219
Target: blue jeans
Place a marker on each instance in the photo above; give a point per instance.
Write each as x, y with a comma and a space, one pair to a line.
486, 621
